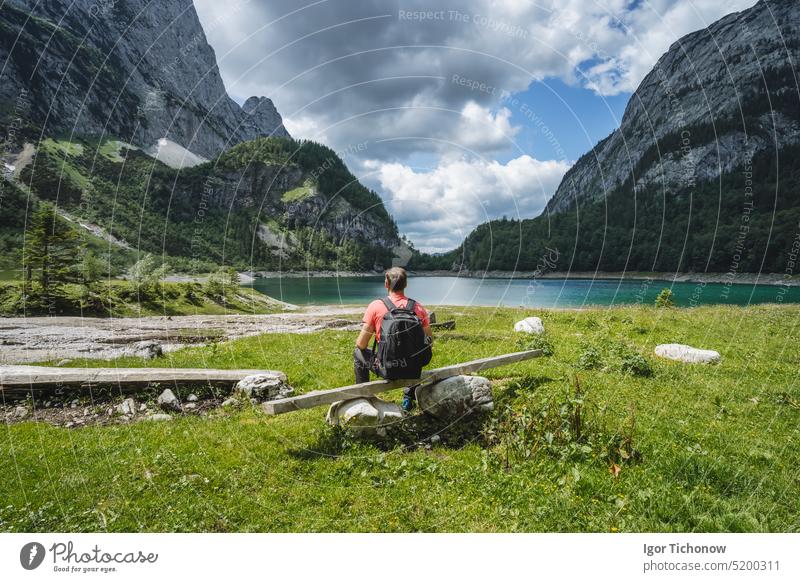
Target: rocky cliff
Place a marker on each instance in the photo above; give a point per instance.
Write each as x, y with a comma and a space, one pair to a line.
137, 70
716, 99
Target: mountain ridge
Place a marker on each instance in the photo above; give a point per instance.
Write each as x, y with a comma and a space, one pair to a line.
686, 90
139, 71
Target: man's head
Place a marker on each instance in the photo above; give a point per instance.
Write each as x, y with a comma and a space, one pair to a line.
396, 279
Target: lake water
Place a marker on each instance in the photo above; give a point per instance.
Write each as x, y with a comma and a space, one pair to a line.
519, 292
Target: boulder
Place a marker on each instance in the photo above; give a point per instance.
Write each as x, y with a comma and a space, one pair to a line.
21, 412
454, 397
127, 407
530, 325
264, 386
192, 398
367, 416
168, 401
688, 354
148, 350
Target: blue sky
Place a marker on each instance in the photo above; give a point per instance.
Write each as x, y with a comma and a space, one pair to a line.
459, 115
577, 117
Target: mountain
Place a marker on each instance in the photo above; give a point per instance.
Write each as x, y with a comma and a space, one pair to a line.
117, 114
702, 174
271, 203
717, 96
138, 71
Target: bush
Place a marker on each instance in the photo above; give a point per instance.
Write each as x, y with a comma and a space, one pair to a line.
627, 360
664, 298
590, 358
536, 342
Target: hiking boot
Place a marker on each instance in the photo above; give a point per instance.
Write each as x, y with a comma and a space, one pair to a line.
408, 404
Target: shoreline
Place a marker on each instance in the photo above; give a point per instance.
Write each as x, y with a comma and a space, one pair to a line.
773, 279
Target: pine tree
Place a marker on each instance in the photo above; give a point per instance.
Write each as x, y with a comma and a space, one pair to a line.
51, 251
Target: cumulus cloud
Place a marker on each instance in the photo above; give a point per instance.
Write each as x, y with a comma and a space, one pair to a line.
427, 78
440, 206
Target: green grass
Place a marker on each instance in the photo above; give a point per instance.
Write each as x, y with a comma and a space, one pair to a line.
119, 298
718, 446
300, 193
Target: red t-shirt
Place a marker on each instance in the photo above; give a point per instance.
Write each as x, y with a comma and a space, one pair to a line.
376, 310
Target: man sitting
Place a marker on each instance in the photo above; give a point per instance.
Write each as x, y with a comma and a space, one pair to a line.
375, 317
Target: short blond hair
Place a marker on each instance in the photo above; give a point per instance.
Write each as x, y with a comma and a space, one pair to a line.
396, 279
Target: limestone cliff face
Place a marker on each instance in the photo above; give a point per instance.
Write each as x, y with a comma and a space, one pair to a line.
135, 70
266, 189
715, 99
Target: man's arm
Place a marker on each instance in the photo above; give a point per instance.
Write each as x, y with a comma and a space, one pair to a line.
366, 333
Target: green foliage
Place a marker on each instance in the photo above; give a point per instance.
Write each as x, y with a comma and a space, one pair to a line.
147, 273
124, 299
197, 216
681, 465
50, 255
535, 341
567, 427
664, 298
610, 354
688, 229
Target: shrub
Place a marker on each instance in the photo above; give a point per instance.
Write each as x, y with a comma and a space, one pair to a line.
590, 358
627, 360
664, 298
536, 342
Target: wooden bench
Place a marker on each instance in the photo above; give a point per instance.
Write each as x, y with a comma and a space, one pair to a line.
323, 397
22, 380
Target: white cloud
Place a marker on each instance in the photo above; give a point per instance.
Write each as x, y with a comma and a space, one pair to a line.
345, 72
437, 208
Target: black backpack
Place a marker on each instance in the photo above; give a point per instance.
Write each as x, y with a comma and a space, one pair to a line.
403, 349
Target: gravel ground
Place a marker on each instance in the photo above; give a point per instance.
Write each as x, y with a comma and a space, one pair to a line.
53, 339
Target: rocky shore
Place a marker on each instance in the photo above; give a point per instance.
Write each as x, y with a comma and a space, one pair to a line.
60, 339
776, 279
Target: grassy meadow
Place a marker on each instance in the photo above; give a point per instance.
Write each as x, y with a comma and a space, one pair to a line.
635, 443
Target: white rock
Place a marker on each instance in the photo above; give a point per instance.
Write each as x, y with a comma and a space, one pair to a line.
21, 412
684, 353
190, 406
159, 417
454, 397
368, 416
142, 407
127, 407
530, 325
168, 401
231, 402
265, 386
192, 398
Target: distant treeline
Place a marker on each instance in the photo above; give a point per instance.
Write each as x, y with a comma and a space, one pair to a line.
746, 221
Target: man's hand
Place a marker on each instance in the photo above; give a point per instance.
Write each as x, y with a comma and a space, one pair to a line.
362, 341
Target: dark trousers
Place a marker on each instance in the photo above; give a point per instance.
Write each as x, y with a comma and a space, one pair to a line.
362, 365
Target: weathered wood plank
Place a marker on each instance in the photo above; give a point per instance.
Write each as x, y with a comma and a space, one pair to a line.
451, 324
322, 397
24, 378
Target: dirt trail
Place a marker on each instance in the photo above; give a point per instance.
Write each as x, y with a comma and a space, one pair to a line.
38, 339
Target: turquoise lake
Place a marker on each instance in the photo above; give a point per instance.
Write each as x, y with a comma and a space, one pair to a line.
563, 293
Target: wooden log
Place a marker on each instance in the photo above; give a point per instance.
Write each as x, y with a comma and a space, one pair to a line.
444, 325
322, 397
24, 379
